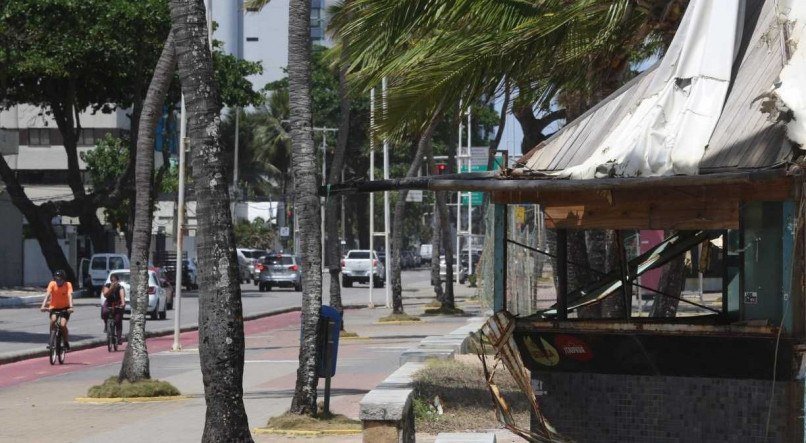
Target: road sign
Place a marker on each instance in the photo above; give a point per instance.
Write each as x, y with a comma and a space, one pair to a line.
415, 195
285, 231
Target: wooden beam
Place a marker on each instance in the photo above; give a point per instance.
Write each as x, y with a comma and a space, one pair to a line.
712, 214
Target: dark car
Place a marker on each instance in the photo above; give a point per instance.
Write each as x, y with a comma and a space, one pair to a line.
280, 270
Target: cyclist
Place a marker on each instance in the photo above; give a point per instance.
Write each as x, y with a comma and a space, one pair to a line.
59, 298
114, 304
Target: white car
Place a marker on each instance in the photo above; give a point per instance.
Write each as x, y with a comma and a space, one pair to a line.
443, 271
357, 266
102, 264
157, 298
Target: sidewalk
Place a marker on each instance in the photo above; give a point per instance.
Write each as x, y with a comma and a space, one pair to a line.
14, 297
269, 376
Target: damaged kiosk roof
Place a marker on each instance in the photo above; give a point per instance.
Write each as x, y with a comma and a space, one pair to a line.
662, 120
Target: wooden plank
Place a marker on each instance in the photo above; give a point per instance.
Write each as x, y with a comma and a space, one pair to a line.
706, 215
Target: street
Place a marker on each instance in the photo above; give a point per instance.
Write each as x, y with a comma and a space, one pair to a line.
26, 328
46, 393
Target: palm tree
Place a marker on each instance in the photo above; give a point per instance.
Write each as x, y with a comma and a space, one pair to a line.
571, 53
221, 335
423, 147
303, 166
135, 362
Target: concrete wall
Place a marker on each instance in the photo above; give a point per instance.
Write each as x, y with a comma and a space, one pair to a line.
10, 243
621, 408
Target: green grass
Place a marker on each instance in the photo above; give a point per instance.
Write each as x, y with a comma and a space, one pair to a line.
111, 388
444, 311
348, 334
295, 422
398, 317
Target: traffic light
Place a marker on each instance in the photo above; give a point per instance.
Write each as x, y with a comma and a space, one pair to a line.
441, 168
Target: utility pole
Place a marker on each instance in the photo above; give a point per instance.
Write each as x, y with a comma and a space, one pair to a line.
469, 162
180, 224
386, 226
371, 304
322, 200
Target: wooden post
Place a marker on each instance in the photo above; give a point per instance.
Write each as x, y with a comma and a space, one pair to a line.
562, 274
500, 258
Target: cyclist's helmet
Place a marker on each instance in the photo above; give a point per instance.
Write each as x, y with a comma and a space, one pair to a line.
59, 274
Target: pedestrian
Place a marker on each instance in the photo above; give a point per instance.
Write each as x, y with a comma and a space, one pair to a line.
59, 298
115, 302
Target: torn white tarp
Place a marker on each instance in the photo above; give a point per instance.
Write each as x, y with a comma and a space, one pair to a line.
792, 87
669, 129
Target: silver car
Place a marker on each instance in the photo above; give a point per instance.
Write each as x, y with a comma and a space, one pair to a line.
280, 270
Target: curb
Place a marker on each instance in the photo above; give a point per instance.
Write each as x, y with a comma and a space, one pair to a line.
105, 401
305, 433
15, 356
14, 302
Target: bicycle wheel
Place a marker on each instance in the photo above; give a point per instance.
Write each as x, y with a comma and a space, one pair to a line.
52, 350
59, 348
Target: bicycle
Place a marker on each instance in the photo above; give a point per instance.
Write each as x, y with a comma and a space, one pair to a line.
111, 327
57, 350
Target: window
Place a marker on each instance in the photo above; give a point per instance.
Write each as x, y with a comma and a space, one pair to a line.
280, 260
124, 277
251, 39
116, 263
87, 137
38, 137
98, 263
358, 254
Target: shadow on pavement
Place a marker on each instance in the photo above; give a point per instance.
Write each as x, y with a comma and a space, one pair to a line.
36, 337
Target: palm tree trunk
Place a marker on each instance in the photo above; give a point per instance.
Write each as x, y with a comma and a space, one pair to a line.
135, 362
436, 246
303, 165
445, 226
671, 282
332, 244
221, 335
423, 146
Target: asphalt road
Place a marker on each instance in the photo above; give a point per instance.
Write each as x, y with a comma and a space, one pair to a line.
25, 328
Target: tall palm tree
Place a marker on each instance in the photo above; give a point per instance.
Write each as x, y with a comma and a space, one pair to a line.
303, 166
423, 147
135, 362
221, 334
554, 51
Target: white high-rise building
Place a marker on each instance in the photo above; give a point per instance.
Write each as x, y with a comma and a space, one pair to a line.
262, 36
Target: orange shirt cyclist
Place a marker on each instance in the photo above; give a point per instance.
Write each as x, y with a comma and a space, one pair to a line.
59, 298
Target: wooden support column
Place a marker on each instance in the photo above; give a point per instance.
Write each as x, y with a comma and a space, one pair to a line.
562, 274
499, 258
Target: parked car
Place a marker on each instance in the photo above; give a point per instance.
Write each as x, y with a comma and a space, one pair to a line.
462, 270
246, 262
406, 260
102, 264
382, 257
157, 302
167, 286
189, 273
426, 253
281, 270
357, 266
417, 259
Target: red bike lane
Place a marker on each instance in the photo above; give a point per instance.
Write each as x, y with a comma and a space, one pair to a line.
12, 374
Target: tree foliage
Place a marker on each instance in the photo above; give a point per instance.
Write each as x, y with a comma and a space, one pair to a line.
435, 51
258, 234
105, 164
